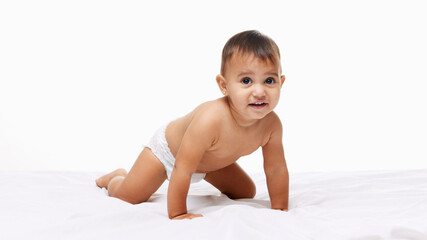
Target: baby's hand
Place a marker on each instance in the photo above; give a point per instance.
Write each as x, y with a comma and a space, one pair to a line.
187, 216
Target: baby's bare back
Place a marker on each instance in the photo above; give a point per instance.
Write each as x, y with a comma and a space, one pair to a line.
231, 140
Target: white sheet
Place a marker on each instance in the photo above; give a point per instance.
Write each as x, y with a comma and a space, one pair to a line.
352, 205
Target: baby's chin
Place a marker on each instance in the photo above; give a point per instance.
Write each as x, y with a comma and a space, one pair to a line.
258, 115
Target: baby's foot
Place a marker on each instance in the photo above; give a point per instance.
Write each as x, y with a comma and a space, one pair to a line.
103, 181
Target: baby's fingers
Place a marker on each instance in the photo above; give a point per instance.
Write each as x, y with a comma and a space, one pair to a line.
187, 216
195, 216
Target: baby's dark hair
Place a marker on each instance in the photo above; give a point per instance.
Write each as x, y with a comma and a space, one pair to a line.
252, 42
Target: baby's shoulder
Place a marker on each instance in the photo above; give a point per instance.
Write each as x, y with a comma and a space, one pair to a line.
272, 121
215, 109
210, 113
272, 117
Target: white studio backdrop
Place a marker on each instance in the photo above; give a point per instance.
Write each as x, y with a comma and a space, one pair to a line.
83, 84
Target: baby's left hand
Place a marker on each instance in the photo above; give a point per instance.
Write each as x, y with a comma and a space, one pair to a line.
187, 216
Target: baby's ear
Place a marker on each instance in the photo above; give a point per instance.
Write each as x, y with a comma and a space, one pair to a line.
222, 84
282, 79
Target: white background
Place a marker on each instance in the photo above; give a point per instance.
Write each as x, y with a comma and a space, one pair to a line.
83, 84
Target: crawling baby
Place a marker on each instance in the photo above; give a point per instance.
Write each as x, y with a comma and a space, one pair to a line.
206, 143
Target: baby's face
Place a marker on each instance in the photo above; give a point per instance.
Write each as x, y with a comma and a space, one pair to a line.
252, 85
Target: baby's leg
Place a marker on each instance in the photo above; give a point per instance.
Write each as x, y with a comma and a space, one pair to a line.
232, 181
145, 177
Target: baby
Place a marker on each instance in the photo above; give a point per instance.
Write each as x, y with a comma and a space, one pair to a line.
207, 142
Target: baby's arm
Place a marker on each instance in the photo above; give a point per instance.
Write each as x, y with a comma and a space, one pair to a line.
275, 169
198, 137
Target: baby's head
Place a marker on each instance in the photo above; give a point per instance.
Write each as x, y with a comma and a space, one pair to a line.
251, 75
250, 43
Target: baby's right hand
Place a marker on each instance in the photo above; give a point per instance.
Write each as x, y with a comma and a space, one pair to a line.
187, 216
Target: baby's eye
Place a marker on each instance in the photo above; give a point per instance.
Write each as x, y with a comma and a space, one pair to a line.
270, 81
246, 81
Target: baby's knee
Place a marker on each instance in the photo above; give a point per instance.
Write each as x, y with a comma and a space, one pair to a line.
249, 191
126, 197
129, 200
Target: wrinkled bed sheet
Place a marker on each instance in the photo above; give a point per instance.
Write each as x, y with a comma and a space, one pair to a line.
335, 205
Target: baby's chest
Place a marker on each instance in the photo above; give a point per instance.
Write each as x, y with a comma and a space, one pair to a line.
235, 146
228, 151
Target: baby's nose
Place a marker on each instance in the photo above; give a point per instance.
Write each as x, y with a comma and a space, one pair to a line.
258, 91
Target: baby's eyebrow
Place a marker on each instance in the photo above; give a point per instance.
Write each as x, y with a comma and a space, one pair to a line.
272, 74
245, 73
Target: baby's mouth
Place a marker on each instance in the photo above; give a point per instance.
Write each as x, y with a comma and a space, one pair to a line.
258, 104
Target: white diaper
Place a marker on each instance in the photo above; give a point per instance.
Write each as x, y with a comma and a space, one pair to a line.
159, 146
